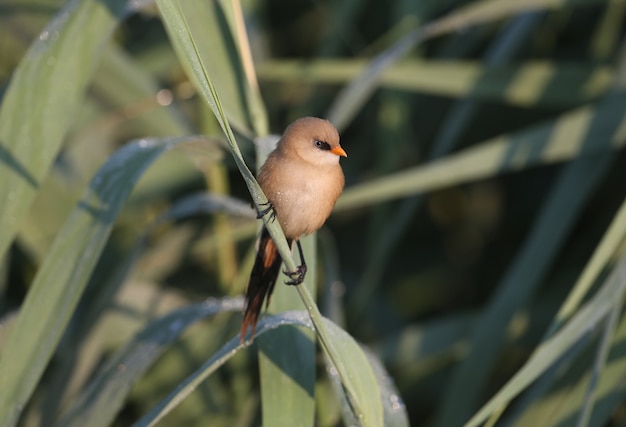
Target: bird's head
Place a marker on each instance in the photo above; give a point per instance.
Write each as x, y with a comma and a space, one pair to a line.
314, 140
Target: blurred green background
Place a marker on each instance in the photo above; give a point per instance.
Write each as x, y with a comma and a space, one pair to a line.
485, 172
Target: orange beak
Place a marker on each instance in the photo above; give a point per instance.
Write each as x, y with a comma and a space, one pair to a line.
339, 151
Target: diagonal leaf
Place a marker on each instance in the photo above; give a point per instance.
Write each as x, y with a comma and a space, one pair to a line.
561, 400
393, 413
215, 362
298, 401
211, 26
359, 369
104, 397
185, 45
41, 101
64, 274
603, 253
584, 321
369, 412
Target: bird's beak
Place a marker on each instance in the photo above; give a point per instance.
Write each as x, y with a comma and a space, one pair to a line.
339, 151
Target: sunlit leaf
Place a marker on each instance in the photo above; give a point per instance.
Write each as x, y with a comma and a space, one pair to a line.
40, 103
63, 276
100, 403
358, 370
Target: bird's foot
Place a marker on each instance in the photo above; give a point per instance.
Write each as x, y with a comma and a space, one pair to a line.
297, 276
269, 209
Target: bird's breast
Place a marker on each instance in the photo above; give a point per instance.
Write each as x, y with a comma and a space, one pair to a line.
303, 199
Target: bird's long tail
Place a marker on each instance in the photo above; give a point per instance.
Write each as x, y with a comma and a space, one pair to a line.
262, 279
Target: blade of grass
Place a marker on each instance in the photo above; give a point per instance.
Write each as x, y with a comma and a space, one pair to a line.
607, 36
599, 365
359, 369
212, 26
215, 362
42, 98
296, 397
204, 203
101, 401
395, 412
368, 411
603, 253
63, 276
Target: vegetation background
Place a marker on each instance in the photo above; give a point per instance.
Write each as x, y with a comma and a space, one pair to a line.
476, 254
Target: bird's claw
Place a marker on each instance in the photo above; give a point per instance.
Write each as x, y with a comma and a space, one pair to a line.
269, 209
297, 276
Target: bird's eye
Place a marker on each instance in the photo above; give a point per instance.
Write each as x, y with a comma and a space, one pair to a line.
321, 144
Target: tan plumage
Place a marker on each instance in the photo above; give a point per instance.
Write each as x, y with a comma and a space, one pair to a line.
302, 180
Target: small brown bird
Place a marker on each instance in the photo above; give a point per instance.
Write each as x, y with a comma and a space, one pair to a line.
302, 180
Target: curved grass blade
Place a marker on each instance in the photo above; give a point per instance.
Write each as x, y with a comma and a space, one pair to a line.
42, 98
359, 368
298, 400
104, 397
211, 27
369, 411
94, 306
185, 45
63, 276
350, 363
216, 361
394, 409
